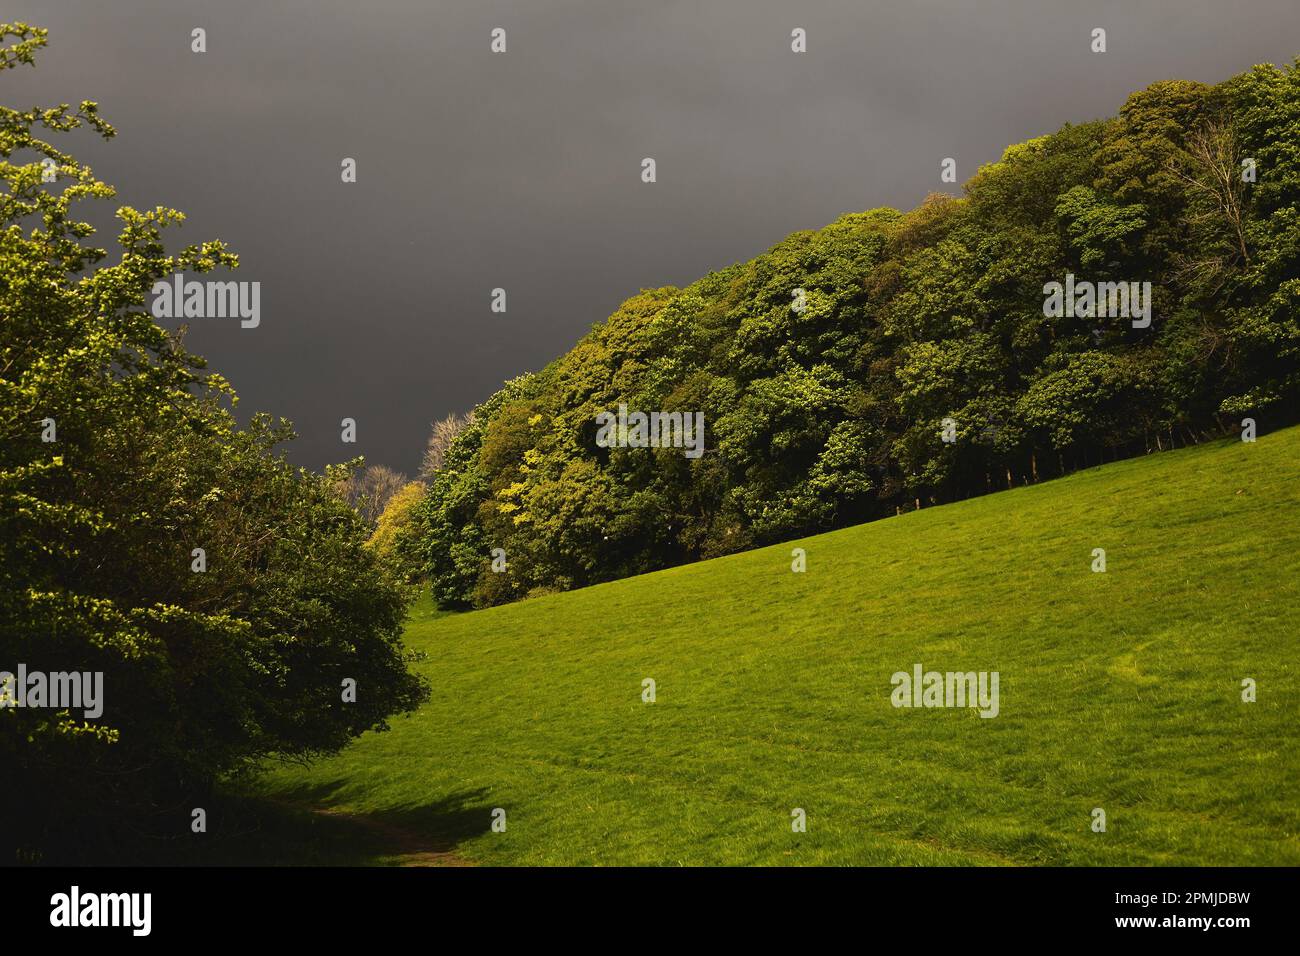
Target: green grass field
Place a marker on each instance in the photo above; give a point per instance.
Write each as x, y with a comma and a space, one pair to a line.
1119, 690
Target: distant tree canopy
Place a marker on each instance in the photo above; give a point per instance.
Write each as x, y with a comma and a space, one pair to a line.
368, 488
224, 595
912, 325
441, 434
397, 532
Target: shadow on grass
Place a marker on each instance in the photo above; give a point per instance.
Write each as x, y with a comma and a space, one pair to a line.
301, 828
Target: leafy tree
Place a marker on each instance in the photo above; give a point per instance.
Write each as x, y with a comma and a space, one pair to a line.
223, 594
397, 533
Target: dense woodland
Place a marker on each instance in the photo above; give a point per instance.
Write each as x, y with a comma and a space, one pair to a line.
835, 413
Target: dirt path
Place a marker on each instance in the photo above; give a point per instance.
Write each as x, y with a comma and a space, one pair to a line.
409, 846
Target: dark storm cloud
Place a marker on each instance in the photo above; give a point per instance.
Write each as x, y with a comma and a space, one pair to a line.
523, 170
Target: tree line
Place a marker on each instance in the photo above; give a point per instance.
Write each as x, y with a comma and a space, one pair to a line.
895, 360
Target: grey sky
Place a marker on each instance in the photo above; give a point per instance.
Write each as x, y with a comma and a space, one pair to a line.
522, 170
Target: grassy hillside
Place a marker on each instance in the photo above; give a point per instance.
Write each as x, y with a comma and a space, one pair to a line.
1119, 690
